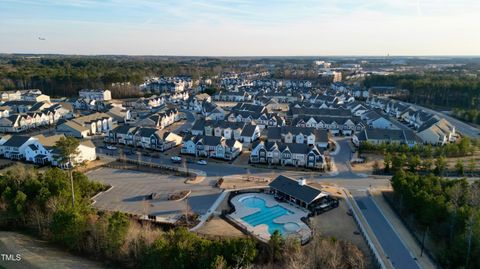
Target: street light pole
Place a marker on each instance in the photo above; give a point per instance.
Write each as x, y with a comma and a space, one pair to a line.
70, 166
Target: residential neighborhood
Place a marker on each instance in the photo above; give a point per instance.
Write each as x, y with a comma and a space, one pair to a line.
200, 152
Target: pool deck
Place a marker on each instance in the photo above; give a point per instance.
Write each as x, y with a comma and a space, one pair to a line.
261, 231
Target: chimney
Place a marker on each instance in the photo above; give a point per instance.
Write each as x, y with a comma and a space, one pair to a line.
302, 181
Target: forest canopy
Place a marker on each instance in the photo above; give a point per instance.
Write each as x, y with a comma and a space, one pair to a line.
444, 90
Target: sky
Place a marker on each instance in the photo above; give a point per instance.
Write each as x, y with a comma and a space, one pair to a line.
241, 27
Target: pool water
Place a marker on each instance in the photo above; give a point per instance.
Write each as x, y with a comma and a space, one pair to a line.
266, 215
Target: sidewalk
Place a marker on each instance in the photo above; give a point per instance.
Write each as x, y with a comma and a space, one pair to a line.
407, 238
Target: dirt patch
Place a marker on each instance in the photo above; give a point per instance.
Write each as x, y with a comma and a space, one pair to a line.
467, 162
92, 165
333, 189
218, 227
244, 181
367, 167
179, 195
339, 224
37, 253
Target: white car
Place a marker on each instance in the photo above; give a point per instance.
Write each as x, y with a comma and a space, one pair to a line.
202, 162
111, 147
176, 159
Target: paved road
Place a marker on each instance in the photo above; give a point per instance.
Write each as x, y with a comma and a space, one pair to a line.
392, 245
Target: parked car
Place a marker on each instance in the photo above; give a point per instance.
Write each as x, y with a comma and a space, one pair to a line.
111, 147
202, 162
176, 159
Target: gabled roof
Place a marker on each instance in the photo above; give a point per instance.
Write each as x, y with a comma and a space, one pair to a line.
291, 187
248, 130
248, 107
145, 131
320, 112
389, 135
124, 129
211, 140
199, 125
89, 118
39, 105
16, 141
75, 126
48, 141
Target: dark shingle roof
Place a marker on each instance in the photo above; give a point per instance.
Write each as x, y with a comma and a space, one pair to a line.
146, 132
248, 130
291, 187
123, 129
16, 141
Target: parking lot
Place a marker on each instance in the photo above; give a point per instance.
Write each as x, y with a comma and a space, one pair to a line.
131, 188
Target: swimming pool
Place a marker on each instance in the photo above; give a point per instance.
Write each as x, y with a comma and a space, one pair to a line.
266, 215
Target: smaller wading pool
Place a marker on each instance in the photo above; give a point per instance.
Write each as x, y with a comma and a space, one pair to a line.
266, 216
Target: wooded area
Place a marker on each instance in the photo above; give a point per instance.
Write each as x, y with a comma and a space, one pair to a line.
65, 76
465, 147
447, 210
443, 90
39, 203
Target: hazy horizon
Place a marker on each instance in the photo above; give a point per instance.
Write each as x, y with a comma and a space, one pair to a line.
241, 28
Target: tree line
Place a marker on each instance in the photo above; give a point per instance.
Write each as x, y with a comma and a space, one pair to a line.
65, 76
434, 89
465, 147
468, 115
39, 203
446, 211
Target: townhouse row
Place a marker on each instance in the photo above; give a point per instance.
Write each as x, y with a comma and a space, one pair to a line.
42, 114
41, 149
211, 147
144, 137
431, 128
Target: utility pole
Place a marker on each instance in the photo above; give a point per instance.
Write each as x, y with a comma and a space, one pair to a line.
70, 166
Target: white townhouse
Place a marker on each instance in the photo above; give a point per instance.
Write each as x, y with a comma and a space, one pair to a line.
212, 146
437, 131
160, 120
42, 151
375, 120
278, 153
96, 123
95, 94
14, 146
